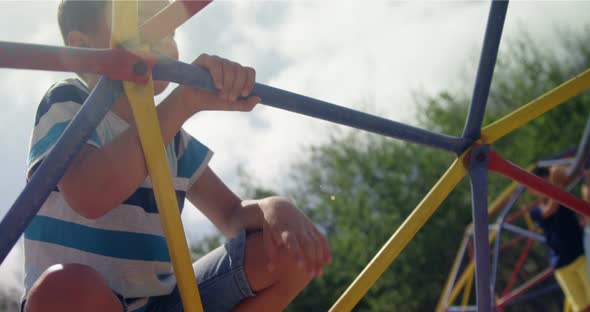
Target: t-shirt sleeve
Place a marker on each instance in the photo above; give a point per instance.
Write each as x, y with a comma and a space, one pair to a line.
55, 112
192, 157
537, 215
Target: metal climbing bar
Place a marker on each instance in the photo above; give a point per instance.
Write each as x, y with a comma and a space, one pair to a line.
485, 70
493, 208
500, 220
463, 309
497, 203
523, 288
400, 239
48, 174
454, 271
116, 64
141, 98
520, 212
468, 272
520, 231
500, 165
536, 108
519, 263
467, 291
187, 74
534, 294
478, 172
512, 242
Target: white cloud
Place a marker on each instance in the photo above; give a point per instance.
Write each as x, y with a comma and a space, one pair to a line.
11, 272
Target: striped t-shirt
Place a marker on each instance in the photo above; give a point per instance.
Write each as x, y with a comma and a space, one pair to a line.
126, 245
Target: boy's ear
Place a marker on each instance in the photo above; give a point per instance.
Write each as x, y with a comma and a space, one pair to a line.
77, 39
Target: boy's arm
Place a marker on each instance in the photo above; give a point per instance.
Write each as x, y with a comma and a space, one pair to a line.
558, 177
548, 208
281, 223
100, 179
221, 206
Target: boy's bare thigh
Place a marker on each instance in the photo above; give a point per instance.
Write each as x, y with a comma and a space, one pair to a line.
71, 287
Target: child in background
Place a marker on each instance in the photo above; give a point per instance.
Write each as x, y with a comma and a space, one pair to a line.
97, 244
565, 239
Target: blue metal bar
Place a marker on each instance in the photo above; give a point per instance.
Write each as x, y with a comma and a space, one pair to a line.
485, 70
523, 232
533, 294
55, 164
556, 162
186, 74
570, 151
455, 270
583, 151
500, 220
462, 309
478, 172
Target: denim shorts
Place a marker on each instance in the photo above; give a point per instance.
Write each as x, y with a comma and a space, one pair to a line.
221, 279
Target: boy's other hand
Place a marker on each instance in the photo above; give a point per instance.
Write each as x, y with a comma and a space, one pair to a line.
234, 82
286, 226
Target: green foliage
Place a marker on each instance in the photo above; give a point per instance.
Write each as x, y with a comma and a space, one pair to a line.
359, 188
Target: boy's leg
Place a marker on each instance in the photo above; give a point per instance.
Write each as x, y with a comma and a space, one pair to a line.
71, 287
230, 275
274, 290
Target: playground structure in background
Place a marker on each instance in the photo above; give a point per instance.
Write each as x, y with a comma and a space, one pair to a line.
508, 219
129, 68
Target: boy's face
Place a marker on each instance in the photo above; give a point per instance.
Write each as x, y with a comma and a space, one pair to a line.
100, 39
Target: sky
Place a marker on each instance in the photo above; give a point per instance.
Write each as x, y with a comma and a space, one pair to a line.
366, 57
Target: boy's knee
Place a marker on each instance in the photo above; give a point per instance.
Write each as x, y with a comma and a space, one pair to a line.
71, 287
286, 270
289, 270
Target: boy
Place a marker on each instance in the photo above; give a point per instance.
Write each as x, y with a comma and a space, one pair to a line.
564, 236
97, 245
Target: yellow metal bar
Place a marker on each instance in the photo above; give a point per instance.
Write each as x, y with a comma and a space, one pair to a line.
467, 291
402, 236
141, 98
529, 222
536, 108
467, 274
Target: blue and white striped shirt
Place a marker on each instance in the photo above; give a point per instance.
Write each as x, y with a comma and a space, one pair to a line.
126, 245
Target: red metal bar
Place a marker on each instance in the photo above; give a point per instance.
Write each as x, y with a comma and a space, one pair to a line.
528, 285
500, 165
520, 212
512, 242
117, 64
518, 267
171, 17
